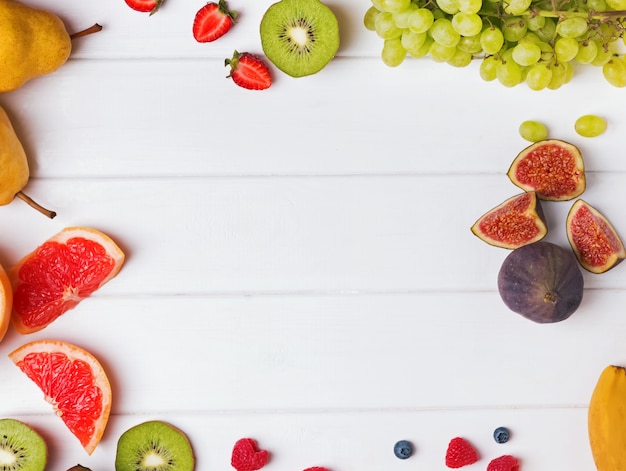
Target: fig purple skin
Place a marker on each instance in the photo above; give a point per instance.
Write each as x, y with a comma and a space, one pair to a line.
542, 282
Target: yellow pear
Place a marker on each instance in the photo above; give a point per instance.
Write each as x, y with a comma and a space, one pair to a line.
33, 42
14, 171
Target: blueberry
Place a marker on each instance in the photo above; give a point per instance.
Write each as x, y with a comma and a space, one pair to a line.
501, 435
403, 449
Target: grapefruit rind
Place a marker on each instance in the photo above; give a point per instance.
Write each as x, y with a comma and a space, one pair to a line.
73, 353
604, 249
6, 302
112, 250
517, 221
553, 168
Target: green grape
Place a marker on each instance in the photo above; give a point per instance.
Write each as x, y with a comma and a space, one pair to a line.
448, 6
401, 19
487, 68
538, 76
395, 6
491, 40
586, 52
369, 19
566, 49
548, 31
421, 20
590, 125
467, 24
385, 26
423, 50
443, 33
516, 7
614, 72
469, 6
603, 56
393, 53
508, 73
572, 27
378, 4
533, 131
460, 59
412, 41
569, 71
535, 23
531, 38
440, 53
470, 44
616, 4
514, 29
547, 51
597, 5
559, 76
526, 53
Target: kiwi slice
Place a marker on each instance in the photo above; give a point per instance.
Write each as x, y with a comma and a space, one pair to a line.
21, 448
299, 36
154, 446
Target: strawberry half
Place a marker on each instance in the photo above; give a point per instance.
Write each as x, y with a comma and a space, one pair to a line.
144, 5
248, 71
460, 453
213, 21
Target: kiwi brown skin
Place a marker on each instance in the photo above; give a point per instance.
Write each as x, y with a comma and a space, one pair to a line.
300, 37
29, 450
157, 443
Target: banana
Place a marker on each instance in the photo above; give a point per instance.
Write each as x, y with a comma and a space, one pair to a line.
607, 420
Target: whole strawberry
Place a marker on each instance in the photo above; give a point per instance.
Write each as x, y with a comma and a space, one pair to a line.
213, 21
248, 71
504, 463
460, 453
145, 6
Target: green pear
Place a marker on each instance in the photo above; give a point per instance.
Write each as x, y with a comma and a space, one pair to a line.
14, 170
33, 42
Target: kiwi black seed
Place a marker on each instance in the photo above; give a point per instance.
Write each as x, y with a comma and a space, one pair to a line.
21, 448
154, 446
300, 37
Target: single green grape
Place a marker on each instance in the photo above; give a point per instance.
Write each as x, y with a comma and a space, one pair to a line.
369, 19
440, 53
548, 31
614, 72
460, 59
444, 33
603, 55
539, 76
566, 49
573, 27
393, 52
508, 73
448, 6
559, 76
516, 7
597, 5
533, 131
590, 125
412, 41
469, 6
421, 20
616, 4
526, 53
587, 52
470, 44
491, 40
535, 23
395, 6
423, 49
401, 19
385, 26
467, 24
487, 68
514, 29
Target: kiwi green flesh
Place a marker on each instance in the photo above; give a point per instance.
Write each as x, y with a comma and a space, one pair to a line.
300, 37
21, 448
154, 446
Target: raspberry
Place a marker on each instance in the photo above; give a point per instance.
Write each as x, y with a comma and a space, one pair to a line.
504, 463
460, 453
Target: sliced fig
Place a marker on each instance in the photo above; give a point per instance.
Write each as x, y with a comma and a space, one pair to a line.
517, 221
595, 242
542, 282
554, 169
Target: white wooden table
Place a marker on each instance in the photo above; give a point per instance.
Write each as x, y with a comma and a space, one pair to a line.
300, 268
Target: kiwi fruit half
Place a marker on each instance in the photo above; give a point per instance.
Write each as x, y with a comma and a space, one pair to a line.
21, 448
299, 36
154, 446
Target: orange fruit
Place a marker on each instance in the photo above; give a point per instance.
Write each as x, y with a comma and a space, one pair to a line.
6, 302
59, 274
73, 381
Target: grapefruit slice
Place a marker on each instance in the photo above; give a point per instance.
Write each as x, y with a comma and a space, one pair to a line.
6, 302
73, 381
59, 274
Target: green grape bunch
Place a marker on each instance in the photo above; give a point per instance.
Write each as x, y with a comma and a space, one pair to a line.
536, 42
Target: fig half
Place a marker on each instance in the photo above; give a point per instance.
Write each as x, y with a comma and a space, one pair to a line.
542, 282
516, 222
595, 242
554, 169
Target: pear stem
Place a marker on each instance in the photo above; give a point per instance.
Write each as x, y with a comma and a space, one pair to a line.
32, 203
92, 29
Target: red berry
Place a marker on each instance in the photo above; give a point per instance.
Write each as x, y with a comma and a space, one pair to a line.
460, 453
247, 457
317, 468
504, 463
249, 71
213, 21
144, 5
